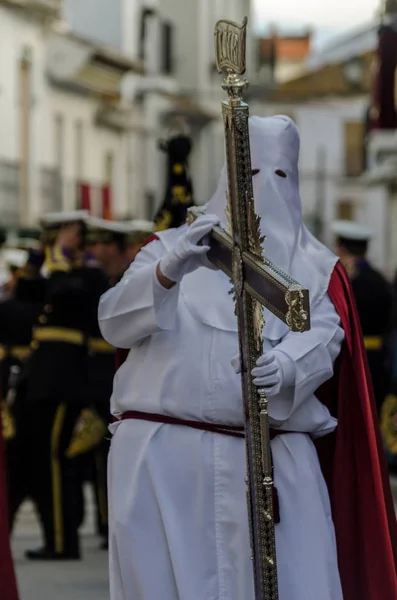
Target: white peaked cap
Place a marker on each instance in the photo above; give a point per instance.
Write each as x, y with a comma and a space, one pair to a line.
15, 257
105, 225
350, 230
59, 218
140, 225
122, 227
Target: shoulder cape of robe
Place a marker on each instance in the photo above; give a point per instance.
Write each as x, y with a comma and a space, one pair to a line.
8, 586
353, 464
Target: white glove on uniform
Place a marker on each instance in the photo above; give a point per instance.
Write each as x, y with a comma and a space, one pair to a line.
188, 254
273, 372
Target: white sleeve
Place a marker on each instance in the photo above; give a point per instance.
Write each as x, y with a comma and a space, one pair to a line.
313, 354
138, 306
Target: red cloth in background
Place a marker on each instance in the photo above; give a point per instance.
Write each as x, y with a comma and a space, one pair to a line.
8, 585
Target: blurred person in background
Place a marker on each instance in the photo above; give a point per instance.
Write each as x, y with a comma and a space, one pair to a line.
51, 394
374, 299
179, 187
108, 243
389, 408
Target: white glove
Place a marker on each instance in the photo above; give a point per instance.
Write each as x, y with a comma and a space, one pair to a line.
273, 372
236, 364
190, 250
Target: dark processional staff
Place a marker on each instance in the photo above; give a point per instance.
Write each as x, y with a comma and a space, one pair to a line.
176, 469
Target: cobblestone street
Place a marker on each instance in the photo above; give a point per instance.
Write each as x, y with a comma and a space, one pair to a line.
81, 580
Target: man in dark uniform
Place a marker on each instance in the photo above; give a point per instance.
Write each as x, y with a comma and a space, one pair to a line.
179, 187
373, 296
53, 389
110, 243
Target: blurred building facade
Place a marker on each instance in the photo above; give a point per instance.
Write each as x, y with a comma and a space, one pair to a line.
281, 55
174, 40
65, 130
330, 99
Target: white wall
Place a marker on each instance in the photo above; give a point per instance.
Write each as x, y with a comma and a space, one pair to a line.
321, 126
17, 32
99, 20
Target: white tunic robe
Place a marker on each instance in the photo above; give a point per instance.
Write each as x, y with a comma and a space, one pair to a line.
177, 500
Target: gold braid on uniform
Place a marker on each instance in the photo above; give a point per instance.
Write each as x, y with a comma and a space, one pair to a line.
164, 220
57, 492
29, 272
7, 422
388, 423
56, 261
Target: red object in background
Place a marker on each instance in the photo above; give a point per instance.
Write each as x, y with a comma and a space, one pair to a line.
107, 203
97, 200
85, 197
8, 585
354, 465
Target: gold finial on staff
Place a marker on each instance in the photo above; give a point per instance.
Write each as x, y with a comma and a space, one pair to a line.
230, 52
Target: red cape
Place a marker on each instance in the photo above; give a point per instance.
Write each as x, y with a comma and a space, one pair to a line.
353, 464
8, 585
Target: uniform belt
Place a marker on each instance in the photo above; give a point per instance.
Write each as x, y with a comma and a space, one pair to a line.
373, 342
100, 346
59, 334
19, 352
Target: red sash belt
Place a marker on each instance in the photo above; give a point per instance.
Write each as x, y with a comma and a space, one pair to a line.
231, 430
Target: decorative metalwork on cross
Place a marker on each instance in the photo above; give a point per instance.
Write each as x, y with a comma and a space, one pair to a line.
237, 249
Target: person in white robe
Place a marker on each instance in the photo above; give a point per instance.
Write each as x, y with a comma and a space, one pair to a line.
177, 495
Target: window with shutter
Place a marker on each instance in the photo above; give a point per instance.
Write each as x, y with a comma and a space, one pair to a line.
354, 148
345, 210
167, 49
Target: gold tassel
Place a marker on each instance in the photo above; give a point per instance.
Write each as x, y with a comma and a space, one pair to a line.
88, 433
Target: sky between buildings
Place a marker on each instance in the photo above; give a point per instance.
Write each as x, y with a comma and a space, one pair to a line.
328, 17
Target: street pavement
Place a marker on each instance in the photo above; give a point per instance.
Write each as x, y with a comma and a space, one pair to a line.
75, 580
81, 580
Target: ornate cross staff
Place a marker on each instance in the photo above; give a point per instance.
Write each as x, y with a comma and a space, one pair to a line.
237, 250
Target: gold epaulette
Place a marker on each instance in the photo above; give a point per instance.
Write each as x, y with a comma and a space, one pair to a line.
57, 334
19, 352
388, 423
56, 261
29, 272
373, 342
7, 422
100, 346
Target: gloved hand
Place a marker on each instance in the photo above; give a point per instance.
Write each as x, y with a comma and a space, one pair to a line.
273, 372
236, 364
190, 251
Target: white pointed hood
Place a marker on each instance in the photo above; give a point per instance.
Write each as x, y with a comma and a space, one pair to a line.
275, 152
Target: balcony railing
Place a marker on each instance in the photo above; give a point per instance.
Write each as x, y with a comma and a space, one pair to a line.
47, 8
